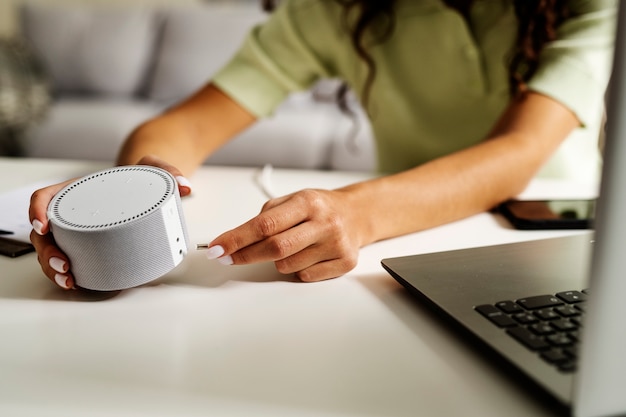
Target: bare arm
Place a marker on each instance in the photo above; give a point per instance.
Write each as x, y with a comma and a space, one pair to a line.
472, 180
316, 233
188, 133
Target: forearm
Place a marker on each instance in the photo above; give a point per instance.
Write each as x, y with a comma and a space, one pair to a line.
439, 192
467, 182
188, 133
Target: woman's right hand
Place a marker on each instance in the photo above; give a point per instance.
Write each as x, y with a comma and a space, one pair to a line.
54, 263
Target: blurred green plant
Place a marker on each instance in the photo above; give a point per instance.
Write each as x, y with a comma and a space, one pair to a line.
24, 93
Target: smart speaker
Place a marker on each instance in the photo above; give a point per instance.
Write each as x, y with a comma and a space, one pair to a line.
121, 227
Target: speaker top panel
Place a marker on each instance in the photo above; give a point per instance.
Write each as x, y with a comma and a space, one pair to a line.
112, 197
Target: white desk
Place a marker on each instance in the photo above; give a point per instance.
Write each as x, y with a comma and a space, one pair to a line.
214, 340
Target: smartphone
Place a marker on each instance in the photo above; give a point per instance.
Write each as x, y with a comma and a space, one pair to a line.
549, 214
14, 248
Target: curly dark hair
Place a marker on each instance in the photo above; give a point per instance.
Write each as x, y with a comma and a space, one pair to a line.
538, 23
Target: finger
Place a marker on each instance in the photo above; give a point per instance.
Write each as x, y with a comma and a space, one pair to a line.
342, 257
39, 201
53, 262
273, 202
325, 270
184, 185
265, 225
283, 245
321, 271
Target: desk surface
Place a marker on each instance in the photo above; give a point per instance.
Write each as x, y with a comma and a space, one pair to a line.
209, 339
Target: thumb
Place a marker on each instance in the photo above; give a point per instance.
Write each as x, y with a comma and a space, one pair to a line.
184, 186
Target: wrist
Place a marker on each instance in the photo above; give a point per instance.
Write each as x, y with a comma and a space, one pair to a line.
361, 211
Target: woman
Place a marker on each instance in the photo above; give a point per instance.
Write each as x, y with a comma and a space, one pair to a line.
468, 100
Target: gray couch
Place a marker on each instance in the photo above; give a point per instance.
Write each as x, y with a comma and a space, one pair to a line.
113, 67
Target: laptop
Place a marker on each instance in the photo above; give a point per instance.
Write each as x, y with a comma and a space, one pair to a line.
554, 309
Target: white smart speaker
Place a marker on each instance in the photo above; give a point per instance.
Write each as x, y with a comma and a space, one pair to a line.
121, 227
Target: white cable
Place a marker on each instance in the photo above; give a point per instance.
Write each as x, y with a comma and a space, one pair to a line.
263, 180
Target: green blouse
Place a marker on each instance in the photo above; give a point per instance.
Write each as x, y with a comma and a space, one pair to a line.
441, 80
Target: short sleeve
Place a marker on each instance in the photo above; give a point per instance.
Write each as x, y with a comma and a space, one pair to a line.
574, 69
275, 59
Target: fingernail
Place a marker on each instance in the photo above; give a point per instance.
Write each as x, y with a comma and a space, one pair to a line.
62, 281
225, 260
38, 227
214, 252
57, 264
183, 182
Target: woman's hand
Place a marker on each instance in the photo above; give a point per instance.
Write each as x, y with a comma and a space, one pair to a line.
184, 186
314, 234
54, 263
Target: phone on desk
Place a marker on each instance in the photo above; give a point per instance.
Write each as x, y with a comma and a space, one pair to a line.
14, 248
549, 214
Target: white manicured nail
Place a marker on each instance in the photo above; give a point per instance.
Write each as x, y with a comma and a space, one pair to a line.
57, 264
61, 281
225, 260
38, 227
183, 182
214, 252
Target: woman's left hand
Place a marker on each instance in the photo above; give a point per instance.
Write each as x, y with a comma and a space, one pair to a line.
314, 234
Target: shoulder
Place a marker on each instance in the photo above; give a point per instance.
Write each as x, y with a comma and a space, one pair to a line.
314, 28
304, 11
308, 20
578, 7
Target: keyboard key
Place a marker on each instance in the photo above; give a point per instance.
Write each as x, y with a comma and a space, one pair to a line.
571, 351
547, 314
567, 311
496, 316
541, 329
555, 356
572, 296
559, 339
567, 367
539, 301
578, 321
563, 325
528, 339
525, 318
575, 335
509, 307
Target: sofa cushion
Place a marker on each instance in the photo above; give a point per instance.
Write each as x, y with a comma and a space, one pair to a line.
84, 128
92, 50
196, 42
300, 134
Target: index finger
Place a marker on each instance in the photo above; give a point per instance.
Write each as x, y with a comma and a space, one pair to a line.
266, 224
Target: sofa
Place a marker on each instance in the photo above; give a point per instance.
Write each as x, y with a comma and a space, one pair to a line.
110, 68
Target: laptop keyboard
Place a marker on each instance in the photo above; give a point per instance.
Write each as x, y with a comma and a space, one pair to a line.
546, 324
